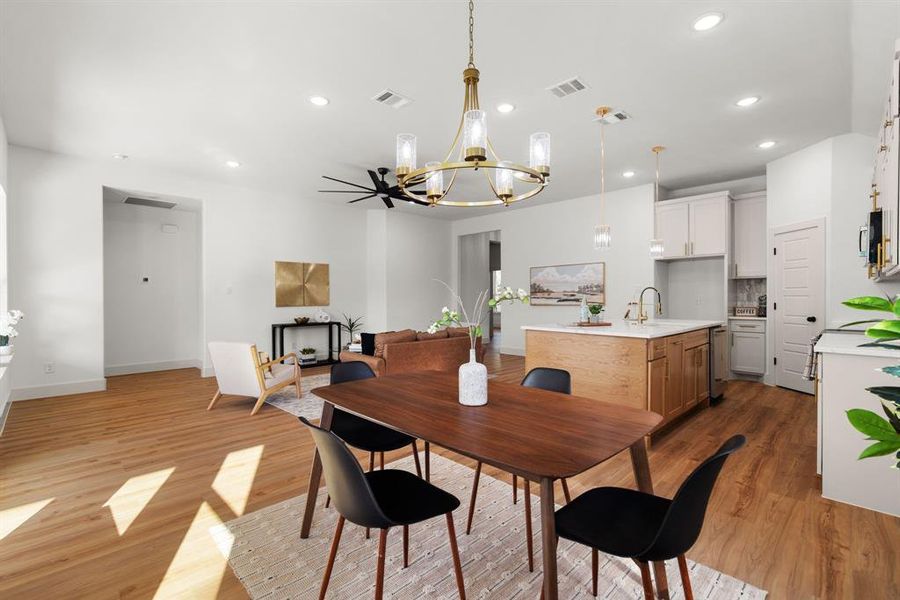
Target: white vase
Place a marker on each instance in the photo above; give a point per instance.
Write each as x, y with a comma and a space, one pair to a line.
6, 350
472, 382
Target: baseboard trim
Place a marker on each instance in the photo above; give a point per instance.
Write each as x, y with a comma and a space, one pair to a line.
34, 392
149, 367
512, 350
4, 413
207, 372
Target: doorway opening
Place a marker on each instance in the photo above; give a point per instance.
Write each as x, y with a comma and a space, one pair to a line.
479, 268
152, 282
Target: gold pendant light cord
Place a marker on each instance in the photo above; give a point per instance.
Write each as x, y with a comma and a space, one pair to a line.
471, 33
602, 173
656, 198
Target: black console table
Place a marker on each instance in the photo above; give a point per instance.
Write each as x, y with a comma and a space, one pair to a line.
278, 335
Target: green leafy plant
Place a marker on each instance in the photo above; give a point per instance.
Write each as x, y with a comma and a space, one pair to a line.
452, 318
595, 309
307, 351
351, 325
884, 433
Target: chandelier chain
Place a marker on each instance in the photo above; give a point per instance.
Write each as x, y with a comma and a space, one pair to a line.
471, 33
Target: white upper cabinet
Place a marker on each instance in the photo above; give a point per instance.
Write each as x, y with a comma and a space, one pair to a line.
690, 227
672, 228
749, 237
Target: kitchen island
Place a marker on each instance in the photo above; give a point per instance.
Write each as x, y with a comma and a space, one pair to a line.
661, 365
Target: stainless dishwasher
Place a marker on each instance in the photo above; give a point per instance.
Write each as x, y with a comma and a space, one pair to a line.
719, 370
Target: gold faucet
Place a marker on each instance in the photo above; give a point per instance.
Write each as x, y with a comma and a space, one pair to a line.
642, 314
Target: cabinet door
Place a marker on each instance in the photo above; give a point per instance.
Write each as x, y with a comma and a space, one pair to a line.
656, 380
703, 373
708, 226
749, 218
689, 378
672, 228
674, 403
748, 352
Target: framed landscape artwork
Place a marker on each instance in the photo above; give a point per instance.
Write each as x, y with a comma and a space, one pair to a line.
566, 285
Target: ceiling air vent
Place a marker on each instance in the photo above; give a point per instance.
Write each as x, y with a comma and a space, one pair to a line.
567, 87
148, 202
391, 98
613, 116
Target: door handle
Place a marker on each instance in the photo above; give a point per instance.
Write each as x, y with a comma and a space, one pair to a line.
810, 319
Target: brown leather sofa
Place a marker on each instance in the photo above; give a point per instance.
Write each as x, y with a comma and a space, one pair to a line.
408, 350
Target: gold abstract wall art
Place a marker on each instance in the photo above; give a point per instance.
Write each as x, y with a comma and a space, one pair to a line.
302, 284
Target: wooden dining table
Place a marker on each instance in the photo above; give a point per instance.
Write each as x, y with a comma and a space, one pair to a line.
539, 435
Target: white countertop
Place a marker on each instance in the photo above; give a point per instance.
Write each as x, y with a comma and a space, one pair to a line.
849, 343
656, 328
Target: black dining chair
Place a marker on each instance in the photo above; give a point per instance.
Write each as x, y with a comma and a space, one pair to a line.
644, 527
380, 500
552, 380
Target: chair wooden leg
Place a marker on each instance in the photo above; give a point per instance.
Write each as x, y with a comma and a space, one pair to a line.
595, 564
529, 542
515, 489
405, 546
565, 487
415, 448
334, 548
685, 578
297, 385
381, 459
215, 399
379, 573
472, 499
428, 462
451, 531
646, 580
259, 403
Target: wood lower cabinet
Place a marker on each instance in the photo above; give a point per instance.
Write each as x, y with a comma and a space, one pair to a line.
657, 373
674, 403
678, 381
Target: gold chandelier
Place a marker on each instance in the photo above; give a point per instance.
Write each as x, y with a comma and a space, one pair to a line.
471, 147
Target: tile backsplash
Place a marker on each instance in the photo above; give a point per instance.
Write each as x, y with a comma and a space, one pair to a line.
746, 292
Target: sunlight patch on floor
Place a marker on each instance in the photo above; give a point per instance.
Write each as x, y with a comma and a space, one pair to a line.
234, 480
198, 566
134, 495
13, 518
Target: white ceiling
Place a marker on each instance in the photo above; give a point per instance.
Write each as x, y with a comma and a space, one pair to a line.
188, 85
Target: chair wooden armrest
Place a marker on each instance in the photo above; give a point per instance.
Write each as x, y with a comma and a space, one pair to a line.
268, 364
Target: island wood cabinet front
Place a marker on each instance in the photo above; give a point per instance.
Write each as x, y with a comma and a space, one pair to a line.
667, 375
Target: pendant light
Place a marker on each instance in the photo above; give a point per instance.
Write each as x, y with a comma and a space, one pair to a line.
657, 248
602, 234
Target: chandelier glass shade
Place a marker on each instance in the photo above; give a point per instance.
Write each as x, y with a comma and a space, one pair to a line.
471, 151
657, 249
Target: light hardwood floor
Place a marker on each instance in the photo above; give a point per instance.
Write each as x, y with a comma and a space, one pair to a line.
767, 523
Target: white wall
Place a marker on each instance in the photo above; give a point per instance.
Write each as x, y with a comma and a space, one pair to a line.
561, 233
154, 325
694, 289
830, 179
5, 374
57, 274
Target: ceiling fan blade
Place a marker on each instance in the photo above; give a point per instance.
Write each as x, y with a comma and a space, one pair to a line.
387, 201
379, 184
363, 198
346, 182
343, 191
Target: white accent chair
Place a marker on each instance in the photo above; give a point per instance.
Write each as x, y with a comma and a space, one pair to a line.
240, 370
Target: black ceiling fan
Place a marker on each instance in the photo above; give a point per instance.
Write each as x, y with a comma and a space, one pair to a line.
381, 189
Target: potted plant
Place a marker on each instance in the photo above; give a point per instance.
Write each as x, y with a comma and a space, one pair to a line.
883, 433
596, 311
351, 326
473, 375
7, 331
307, 356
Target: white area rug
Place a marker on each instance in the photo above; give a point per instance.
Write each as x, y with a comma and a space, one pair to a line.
308, 405
273, 562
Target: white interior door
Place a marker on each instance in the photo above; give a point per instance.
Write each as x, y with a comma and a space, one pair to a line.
799, 306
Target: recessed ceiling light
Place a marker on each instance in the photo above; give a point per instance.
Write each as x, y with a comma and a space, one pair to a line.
748, 101
766, 145
120, 156
318, 100
708, 21
232, 164
505, 107
628, 174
